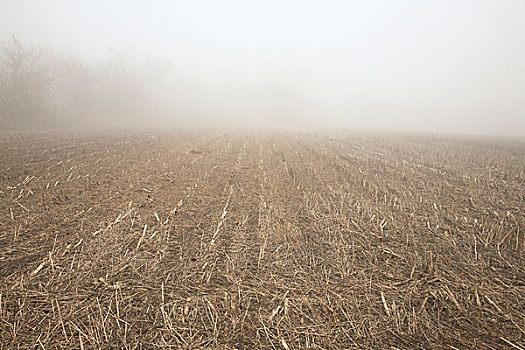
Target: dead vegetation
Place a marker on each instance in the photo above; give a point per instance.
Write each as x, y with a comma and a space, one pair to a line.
241, 241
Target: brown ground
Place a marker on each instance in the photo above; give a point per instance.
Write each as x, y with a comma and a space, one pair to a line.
261, 240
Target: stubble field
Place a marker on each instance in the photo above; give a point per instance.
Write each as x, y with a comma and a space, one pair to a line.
244, 240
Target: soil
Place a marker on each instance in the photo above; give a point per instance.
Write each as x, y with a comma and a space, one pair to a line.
244, 240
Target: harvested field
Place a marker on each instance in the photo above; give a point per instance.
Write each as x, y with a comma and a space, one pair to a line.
244, 240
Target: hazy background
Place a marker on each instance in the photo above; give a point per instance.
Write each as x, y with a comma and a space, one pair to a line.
438, 66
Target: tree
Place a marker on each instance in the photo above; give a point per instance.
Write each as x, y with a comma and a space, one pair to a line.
44, 87
127, 87
24, 82
72, 91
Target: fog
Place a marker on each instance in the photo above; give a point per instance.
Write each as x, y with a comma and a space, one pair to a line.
431, 66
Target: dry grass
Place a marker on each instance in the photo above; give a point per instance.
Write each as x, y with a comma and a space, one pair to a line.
240, 241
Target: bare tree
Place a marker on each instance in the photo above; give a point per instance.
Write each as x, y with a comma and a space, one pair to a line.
45, 87
24, 81
72, 88
127, 87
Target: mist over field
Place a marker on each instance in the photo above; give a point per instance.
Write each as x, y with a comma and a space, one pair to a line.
447, 66
262, 175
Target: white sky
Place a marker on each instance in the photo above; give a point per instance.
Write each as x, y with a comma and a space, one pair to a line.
447, 65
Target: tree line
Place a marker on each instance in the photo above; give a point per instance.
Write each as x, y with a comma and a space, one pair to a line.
40, 87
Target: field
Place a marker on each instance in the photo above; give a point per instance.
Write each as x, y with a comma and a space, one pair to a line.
244, 240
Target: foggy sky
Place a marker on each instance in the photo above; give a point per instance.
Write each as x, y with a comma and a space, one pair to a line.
438, 66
